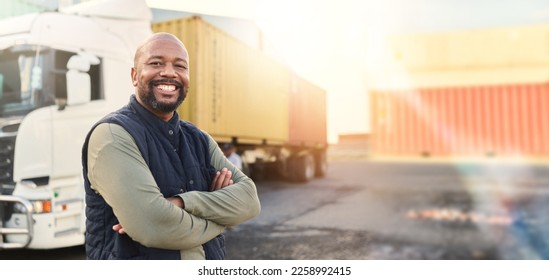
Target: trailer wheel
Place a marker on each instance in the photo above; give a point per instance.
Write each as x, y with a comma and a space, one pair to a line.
256, 170
321, 164
246, 169
305, 168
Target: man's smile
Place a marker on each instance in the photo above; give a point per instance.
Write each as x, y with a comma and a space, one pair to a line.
165, 87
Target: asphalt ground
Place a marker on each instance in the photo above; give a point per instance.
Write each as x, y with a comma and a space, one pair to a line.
372, 209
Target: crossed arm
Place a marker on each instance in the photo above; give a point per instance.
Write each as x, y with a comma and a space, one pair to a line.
222, 179
119, 173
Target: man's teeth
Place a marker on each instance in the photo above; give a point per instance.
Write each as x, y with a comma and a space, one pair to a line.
167, 87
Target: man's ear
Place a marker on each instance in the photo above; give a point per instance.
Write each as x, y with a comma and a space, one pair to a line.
134, 76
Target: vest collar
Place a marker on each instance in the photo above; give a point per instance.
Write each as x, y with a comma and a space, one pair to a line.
169, 129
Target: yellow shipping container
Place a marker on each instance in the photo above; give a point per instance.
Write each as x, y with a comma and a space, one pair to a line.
466, 58
236, 91
478, 48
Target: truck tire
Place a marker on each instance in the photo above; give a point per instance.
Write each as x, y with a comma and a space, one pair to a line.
256, 170
321, 164
246, 169
305, 168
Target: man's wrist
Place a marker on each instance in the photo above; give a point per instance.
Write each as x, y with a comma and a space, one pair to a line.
177, 201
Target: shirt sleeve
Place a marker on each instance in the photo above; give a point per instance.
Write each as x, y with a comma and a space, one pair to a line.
118, 172
228, 206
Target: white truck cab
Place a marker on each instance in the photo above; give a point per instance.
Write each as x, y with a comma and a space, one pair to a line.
60, 72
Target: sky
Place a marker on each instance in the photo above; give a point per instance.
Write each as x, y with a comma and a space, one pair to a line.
325, 41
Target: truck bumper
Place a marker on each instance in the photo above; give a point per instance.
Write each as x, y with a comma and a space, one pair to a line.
56, 230
19, 226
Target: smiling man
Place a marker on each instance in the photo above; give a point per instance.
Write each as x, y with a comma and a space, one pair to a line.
161, 75
157, 187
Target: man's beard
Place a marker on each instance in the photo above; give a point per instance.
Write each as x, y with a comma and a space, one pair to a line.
147, 95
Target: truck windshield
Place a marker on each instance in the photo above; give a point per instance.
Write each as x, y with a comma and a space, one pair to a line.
22, 84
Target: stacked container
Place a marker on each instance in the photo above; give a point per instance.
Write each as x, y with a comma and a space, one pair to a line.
469, 93
240, 95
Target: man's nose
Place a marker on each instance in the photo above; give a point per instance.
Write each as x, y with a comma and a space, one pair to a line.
168, 71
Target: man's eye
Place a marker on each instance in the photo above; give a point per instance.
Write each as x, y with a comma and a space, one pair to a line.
154, 63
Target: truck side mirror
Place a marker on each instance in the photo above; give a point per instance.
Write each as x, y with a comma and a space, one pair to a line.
78, 80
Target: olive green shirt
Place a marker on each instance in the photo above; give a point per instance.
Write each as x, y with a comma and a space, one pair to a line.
118, 172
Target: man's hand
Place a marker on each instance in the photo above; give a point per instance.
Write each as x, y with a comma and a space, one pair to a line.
177, 201
222, 179
118, 227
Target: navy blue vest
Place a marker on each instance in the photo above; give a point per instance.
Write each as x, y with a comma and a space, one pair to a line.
177, 155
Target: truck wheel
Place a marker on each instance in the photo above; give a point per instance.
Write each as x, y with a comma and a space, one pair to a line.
256, 170
246, 169
321, 164
305, 169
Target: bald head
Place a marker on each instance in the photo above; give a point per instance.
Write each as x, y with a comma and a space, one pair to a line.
153, 38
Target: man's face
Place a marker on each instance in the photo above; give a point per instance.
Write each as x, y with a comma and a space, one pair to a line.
161, 75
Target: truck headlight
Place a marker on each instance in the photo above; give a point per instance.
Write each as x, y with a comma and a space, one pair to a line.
41, 206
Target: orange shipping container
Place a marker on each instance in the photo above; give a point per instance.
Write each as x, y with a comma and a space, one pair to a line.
496, 120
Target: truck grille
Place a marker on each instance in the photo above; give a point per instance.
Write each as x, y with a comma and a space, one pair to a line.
7, 145
7, 186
